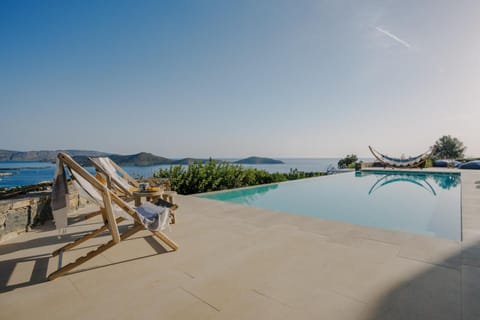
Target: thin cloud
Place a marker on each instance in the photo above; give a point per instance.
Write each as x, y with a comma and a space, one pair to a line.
394, 37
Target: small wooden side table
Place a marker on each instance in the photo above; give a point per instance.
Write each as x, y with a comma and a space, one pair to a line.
149, 195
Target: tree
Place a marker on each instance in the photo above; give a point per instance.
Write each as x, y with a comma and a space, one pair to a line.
448, 147
347, 161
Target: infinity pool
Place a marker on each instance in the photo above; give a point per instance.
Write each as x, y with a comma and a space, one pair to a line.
422, 203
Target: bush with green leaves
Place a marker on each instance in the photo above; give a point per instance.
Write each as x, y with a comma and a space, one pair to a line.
215, 175
348, 161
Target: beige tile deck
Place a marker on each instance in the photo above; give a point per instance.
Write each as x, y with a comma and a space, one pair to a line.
237, 262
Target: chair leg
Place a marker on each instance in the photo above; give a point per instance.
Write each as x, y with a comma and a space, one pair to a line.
139, 227
91, 215
81, 260
136, 227
166, 239
86, 237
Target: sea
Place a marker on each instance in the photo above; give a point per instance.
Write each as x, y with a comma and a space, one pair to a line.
28, 172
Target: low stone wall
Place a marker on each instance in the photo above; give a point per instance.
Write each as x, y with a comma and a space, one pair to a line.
21, 214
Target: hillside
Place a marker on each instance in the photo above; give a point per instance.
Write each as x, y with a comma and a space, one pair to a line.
44, 155
139, 159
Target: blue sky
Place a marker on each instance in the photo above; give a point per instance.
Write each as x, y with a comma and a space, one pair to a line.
238, 78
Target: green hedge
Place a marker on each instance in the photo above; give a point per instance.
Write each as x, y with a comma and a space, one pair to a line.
214, 175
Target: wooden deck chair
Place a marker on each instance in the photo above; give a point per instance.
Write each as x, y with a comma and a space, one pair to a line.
116, 178
113, 210
119, 181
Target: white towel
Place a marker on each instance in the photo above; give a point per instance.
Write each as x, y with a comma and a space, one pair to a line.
154, 217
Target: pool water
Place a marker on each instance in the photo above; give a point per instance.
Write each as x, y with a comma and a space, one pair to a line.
422, 203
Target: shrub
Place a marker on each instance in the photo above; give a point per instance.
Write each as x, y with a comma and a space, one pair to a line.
347, 162
215, 175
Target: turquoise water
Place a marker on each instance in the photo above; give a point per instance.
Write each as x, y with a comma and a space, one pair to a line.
427, 204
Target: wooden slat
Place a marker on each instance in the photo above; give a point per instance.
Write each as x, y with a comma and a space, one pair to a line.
166, 239
124, 173
81, 171
107, 202
78, 241
86, 237
81, 260
111, 185
92, 214
132, 230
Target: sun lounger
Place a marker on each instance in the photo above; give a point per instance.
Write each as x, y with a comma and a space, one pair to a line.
116, 178
112, 208
123, 184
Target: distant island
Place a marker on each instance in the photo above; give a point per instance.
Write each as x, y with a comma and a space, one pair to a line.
139, 159
258, 160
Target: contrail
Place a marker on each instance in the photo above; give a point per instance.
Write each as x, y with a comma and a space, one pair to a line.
394, 37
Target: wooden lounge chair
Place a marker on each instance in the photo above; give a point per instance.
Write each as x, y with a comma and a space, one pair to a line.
110, 206
122, 183
119, 181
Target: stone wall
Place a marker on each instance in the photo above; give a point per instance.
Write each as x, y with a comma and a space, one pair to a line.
21, 214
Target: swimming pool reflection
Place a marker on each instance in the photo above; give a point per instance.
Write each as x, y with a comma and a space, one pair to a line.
444, 181
447, 181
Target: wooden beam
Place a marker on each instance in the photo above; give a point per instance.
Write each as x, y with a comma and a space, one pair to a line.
136, 227
86, 237
81, 260
165, 239
107, 202
124, 173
